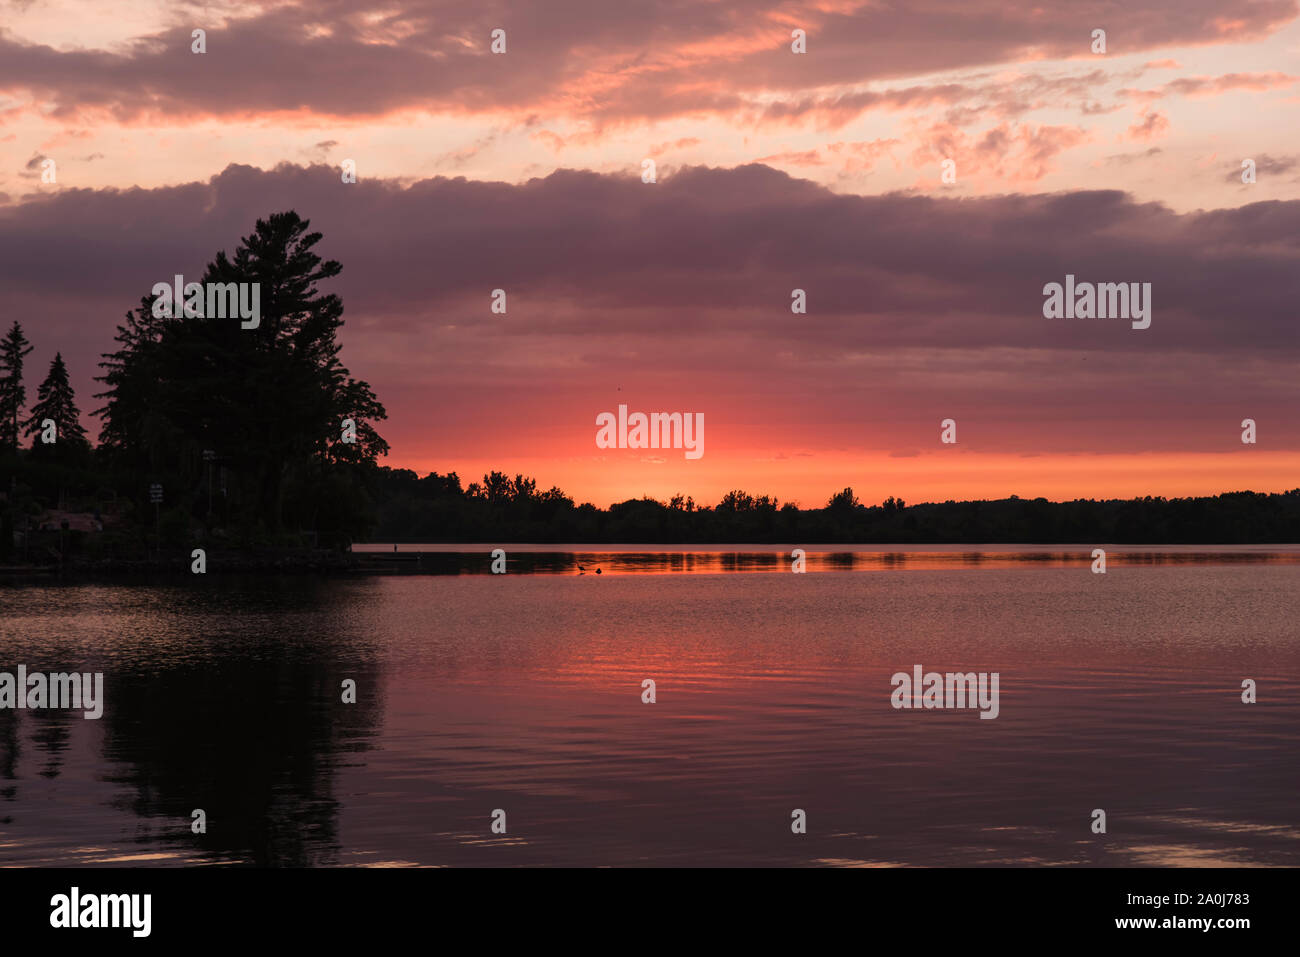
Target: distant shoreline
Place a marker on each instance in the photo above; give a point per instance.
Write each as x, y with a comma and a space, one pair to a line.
367, 548
448, 558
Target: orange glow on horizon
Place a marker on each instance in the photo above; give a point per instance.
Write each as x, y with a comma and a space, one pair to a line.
809, 479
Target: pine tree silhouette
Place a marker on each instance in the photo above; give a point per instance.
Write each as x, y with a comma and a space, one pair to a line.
55, 400
13, 396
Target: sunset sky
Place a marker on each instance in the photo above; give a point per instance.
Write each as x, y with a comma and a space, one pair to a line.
775, 171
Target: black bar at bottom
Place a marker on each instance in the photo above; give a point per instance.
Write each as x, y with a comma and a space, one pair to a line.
331, 906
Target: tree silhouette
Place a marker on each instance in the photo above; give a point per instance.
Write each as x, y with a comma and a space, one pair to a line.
435, 509
14, 347
270, 402
55, 402
844, 501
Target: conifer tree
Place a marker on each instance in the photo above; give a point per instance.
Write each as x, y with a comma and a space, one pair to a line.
55, 401
270, 401
14, 347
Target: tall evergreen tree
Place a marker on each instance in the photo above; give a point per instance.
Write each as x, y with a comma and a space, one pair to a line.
270, 401
55, 401
14, 347
134, 432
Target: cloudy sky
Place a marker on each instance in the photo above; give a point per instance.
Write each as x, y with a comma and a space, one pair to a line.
774, 171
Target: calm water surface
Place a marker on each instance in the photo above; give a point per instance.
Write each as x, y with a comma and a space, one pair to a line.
523, 692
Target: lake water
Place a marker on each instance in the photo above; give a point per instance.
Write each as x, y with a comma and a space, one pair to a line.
523, 692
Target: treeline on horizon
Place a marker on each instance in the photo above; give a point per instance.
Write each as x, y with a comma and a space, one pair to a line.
437, 509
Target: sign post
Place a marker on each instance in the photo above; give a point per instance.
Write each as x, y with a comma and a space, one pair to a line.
208, 456
156, 496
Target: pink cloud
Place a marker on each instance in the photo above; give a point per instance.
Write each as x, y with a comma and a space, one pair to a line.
1153, 124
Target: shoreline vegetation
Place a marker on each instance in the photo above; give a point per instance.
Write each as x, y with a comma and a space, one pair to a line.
434, 511
255, 444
